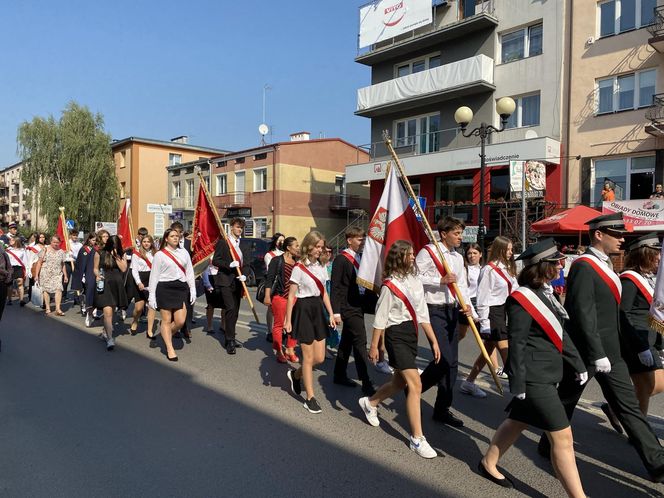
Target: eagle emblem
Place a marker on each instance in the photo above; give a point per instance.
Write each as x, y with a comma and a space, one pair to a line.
378, 225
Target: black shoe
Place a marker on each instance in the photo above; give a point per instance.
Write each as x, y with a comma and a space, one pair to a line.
174, 358
613, 420
210, 331
312, 405
295, 384
153, 343
449, 418
505, 483
230, 346
21, 303
268, 337
344, 381
177, 335
368, 389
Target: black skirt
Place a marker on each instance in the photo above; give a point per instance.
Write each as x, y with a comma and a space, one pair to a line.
133, 292
401, 345
542, 408
463, 319
498, 324
214, 299
635, 366
172, 295
114, 293
17, 272
308, 321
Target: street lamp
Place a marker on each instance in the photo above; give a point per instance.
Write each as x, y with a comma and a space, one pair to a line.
464, 115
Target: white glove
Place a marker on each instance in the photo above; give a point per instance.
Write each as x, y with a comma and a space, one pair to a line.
603, 365
234, 264
83, 279
646, 358
582, 377
192, 298
242, 278
152, 303
521, 396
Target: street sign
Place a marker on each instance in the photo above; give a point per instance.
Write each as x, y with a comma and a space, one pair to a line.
160, 208
70, 224
423, 205
470, 234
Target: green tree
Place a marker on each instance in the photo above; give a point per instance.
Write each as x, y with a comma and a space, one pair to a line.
69, 163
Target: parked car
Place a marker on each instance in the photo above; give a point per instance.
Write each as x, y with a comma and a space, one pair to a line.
253, 254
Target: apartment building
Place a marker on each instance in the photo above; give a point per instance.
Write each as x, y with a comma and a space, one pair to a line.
183, 185
466, 53
13, 200
290, 187
616, 104
141, 167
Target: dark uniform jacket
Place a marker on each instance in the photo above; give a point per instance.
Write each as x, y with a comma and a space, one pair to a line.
275, 275
532, 357
593, 313
345, 294
635, 333
226, 277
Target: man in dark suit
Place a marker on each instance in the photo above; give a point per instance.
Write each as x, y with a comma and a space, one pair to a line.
228, 258
593, 304
347, 306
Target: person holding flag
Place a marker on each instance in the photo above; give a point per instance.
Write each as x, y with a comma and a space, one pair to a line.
400, 309
593, 304
444, 310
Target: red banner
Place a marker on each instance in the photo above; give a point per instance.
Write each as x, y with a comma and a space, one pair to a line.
124, 227
205, 230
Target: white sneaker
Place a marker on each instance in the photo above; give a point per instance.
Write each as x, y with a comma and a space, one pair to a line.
88, 320
369, 411
420, 446
472, 389
110, 344
500, 373
383, 367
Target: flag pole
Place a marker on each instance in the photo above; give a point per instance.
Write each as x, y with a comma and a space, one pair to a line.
429, 231
223, 234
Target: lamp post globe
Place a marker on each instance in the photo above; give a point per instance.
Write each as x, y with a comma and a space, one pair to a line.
463, 116
505, 107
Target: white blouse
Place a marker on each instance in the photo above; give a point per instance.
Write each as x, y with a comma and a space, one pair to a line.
306, 287
138, 265
473, 279
492, 290
164, 269
390, 310
271, 254
22, 256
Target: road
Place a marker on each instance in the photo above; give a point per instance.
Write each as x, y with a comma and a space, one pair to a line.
80, 421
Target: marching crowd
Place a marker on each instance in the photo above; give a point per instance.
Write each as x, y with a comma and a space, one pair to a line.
549, 350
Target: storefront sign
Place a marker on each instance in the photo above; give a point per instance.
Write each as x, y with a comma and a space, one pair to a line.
535, 181
238, 213
110, 226
470, 234
383, 19
643, 214
160, 208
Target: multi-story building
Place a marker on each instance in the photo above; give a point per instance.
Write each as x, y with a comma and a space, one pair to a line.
290, 187
140, 165
183, 186
616, 104
472, 53
13, 200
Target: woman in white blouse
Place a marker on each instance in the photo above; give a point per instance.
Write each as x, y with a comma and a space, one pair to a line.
401, 296
20, 263
497, 281
304, 317
141, 267
473, 257
171, 286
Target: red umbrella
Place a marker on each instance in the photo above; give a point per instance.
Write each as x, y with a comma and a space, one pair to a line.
570, 221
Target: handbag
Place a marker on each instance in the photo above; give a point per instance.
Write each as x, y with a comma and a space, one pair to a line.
260, 291
37, 298
276, 285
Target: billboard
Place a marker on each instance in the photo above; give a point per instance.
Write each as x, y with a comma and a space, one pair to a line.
110, 226
383, 19
535, 179
643, 214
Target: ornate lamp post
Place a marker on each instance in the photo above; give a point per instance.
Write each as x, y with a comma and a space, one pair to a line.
464, 115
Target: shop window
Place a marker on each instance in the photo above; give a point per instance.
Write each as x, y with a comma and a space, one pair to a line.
630, 177
453, 196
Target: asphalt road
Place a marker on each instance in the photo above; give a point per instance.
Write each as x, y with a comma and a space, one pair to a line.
77, 420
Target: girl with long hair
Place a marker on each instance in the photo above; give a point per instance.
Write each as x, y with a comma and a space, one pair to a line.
275, 249
110, 264
141, 267
497, 282
401, 307
171, 287
473, 262
304, 316
20, 263
35, 245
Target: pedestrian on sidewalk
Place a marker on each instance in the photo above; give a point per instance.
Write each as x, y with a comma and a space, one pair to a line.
110, 263
51, 272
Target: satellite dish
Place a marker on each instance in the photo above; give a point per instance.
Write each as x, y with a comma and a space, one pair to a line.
263, 129
531, 134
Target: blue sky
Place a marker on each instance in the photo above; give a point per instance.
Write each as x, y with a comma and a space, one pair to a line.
160, 69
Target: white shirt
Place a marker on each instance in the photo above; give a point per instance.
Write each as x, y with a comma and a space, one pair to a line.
306, 287
601, 256
473, 279
271, 254
138, 265
390, 310
434, 293
21, 254
74, 248
236, 245
33, 256
492, 290
212, 270
164, 269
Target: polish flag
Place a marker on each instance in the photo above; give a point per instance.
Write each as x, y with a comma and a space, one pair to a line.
393, 220
124, 227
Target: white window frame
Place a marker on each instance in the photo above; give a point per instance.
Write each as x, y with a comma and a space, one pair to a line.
616, 92
518, 100
258, 174
638, 24
177, 190
174, 159
189, 194
526, 41
412, 140
221, 184
426, 58
628, 174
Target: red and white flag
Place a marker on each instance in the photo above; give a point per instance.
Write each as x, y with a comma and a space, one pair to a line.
393, 220
124, 227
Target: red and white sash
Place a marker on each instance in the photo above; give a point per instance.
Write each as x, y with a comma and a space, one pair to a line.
440, 267
400, 291
605, 273
350, 257
542, 314
502, 275
33, 249
236, 256
319, 284
641, 283
174, 259
87, 250
147, 261
17, 259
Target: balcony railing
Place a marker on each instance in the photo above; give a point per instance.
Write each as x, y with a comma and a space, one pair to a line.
657, 28
340, 202
233, 199
379, 98
183, 203
424, 143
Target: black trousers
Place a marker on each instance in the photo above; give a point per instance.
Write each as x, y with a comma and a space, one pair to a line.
444, 321
353, 337
619, 393
231, 298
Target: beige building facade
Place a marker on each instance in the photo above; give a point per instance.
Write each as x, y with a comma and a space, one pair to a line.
13, 200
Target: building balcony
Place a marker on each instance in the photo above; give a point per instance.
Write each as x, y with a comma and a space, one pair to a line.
183, 203
233, 200
450, 81
449, 22
655, 114
656, 30
344, 202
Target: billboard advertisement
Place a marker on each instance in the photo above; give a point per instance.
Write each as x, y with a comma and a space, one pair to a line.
643, 214
383, 19
535, 179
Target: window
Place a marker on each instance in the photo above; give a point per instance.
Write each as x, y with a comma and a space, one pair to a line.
260, 227
626, 92
618, 16
260, 180
177, 190
122, 190
174, 159
422, 133
417, 65
453, 196
239, 187
631, 177
207, 183
259, 157
239, 160
222, 184
190, 189
525, 42
123, 158
527, 112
